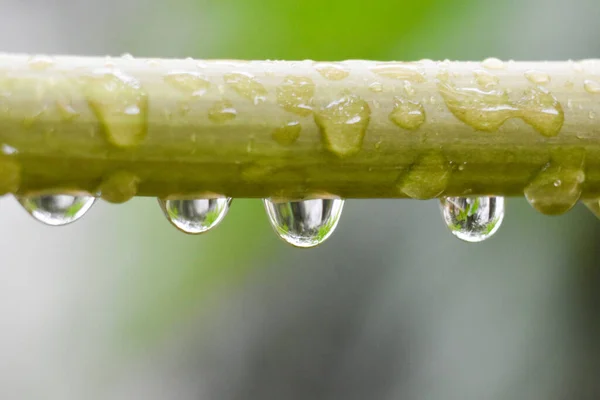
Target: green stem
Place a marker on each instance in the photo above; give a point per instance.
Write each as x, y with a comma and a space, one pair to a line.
355, 129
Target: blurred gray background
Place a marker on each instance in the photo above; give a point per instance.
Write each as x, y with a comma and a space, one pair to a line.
122, 306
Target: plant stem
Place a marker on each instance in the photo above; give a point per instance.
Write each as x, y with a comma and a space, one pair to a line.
356, 129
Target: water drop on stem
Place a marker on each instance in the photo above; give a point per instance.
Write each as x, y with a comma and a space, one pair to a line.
195, 216
473, 219
57, 209
305, 223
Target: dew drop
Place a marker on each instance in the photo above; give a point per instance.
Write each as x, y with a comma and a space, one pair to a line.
287, 134
246, 86
190, 83
343, 124
492, 63
401, 71
427, 178
485, 79
540, 109
111, 94
8, 150
305, 223
221, 112
557, 187
126, 56
591, 87
537, 77
195, 216
407, 114
376, 87
333, 72
295, 94
56, 209
592, 115
119, 187
473, 219
488, 110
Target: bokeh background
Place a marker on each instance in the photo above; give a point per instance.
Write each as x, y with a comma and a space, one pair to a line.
122, 306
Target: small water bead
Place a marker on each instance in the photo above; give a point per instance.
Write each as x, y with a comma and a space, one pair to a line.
8, 150
489, 110
195, 216
537, 77
376, 87
287, 134
113, 95
305, 223
473, 219
222, 111
246, 86
409, 89
401, 71
191, 83
407, 114
591, 87
57, 209
333, 72
426, 178
119, 187
343, 124
492, 63
485, 79
295, 94
556, 188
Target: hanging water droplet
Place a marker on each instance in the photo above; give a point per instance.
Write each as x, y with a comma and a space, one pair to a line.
57, 209
195, 216
473, 219
305, 223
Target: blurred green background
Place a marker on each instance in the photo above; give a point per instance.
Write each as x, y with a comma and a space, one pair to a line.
122, 306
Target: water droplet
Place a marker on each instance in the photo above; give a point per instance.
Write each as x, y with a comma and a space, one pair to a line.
401, 71
221, 112
333, 72
288, 133
407, 114
485, 79
591, 87
8, 150
376, 87
191, 83
558, 186
40, 62
343, 124
195, 216
119, 187
540, 109
305, 223
492, 63
57, 209
473, 219
592, 115
295, 94
111, 94
427, 178
488, 110
126, 56
537, 77
246, 86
